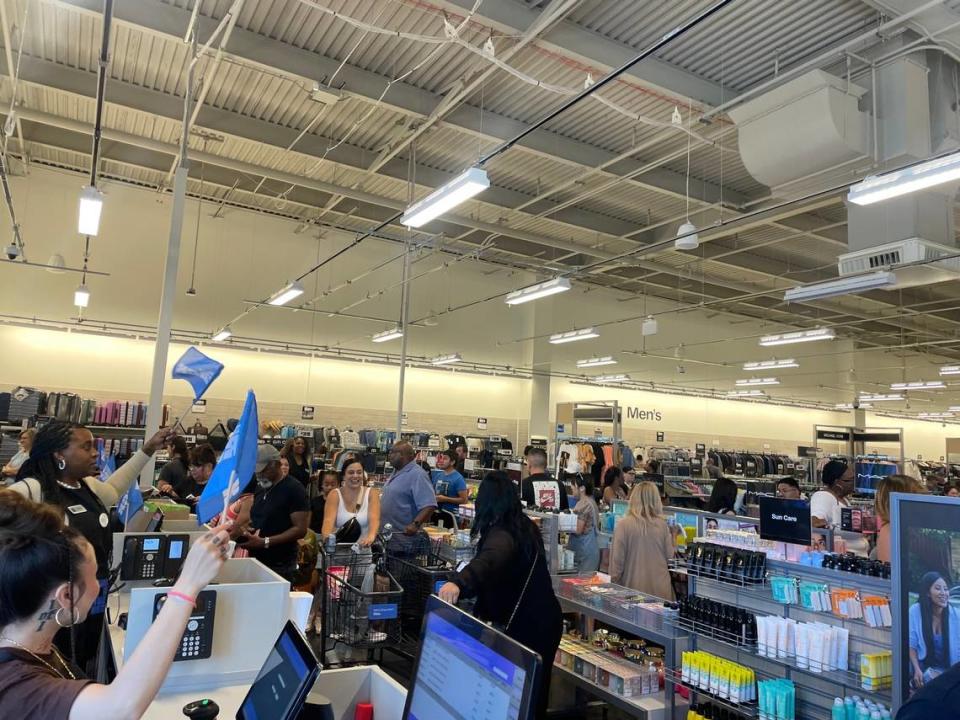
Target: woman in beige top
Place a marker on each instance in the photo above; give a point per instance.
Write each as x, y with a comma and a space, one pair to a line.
642, 545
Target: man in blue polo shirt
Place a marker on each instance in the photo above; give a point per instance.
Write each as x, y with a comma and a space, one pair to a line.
449, 484
407, 500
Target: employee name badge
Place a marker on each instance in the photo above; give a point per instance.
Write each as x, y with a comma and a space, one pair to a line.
76, 509
546, 494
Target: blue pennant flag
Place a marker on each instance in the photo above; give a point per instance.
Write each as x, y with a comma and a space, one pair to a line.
236, 465
130, 504
108, 466
198, 370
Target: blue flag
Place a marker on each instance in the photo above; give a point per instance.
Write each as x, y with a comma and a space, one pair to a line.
198, 370
108, 466
130, 504
236, 465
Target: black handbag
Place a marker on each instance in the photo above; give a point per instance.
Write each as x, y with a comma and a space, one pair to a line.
349, 532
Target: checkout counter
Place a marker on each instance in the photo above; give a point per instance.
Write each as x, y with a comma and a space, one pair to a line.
238, 622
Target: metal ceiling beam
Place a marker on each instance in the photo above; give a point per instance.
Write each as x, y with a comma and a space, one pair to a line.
136, 98
168, 21
593, 49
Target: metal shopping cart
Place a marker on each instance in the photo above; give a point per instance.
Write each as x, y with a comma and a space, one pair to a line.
360, 603
416, 564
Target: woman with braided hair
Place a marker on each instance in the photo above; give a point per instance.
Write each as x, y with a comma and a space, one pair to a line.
48, 580
61, 471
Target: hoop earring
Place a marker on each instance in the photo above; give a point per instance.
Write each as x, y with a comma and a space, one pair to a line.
62, 464
74, 617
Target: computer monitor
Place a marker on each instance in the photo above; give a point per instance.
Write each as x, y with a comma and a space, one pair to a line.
466, 670
282, 685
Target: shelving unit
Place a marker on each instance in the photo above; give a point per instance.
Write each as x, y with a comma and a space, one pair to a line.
815, 689
645, 624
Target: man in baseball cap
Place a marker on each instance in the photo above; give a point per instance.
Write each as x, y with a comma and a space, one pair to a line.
279, 516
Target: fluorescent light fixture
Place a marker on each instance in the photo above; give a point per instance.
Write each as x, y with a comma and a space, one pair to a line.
596, 362
798, 337
771, 365
91, 204
746, 393
954, 408
649, 326
880, 397
950, 370
446, 359
446, 197
286, 293
386, 335
687, 237
755, 382
851, 406
902, 182
222, 334
611, 378
81, 296
574, 336
923, 385
841, 286
935, 415
540, 290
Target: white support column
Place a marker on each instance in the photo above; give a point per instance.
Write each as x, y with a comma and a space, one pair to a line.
165, 320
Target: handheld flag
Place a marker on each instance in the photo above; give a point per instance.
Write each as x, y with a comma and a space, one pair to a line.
107, 468
236, 465
198, 370
130, 504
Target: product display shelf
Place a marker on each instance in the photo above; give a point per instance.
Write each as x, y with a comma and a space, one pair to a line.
643, 623
747, 710
819, 687
648, 706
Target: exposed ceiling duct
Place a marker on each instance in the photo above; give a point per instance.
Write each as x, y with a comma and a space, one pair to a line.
817, 123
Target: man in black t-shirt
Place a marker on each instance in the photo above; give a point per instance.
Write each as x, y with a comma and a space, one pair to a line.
538, 489
278, 517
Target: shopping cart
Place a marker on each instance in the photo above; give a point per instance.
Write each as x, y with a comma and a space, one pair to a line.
360, 603
416, 564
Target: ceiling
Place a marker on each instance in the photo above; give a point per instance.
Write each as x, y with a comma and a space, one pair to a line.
583, 195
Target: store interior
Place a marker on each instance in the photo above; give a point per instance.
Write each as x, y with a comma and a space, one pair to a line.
696, 231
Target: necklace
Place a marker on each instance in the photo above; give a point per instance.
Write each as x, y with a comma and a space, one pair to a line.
68, 486
56, 654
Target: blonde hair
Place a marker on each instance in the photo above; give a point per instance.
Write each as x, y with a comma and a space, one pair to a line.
645, 502
891, 484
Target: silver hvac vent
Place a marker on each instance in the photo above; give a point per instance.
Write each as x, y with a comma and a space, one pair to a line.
904, 253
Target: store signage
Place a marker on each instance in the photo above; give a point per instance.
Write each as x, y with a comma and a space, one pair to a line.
833, 435
892, 437
766, 446
560, 428
660, 437
540, 442
635, 413
481, 423
806, 451
701, 450
307, 412
199, 407
403, 419
784, 520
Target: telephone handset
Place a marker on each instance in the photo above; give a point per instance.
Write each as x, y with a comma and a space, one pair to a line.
148, 557
197, 640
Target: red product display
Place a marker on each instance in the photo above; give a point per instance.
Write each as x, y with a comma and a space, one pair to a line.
364, 711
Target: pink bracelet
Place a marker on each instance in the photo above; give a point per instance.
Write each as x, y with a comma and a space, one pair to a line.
182, 596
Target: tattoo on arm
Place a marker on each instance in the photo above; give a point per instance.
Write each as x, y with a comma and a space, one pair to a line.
47, 615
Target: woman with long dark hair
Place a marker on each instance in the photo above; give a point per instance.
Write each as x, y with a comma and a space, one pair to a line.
613, 487
509, 576
175, 480
934, 630
723, 498
48, 580
297, 453
62, 471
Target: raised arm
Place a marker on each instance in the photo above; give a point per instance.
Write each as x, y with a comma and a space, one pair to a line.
140, 678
